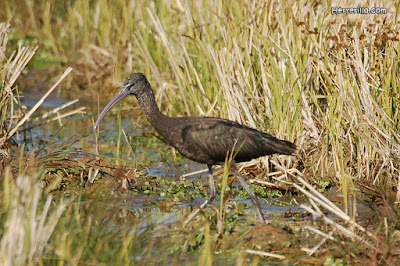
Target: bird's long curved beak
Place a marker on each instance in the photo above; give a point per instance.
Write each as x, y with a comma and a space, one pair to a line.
120, 95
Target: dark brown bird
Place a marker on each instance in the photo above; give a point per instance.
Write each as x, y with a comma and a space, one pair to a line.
205, 140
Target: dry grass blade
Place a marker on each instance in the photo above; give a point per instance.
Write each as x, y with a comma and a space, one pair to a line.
37, 105
266, 254
319, 232
326, 237
329, 221
16, 63
59, 108
58, 117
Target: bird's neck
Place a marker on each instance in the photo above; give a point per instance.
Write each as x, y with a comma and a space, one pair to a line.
149, 106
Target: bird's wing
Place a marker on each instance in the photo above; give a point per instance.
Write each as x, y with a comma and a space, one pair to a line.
217, 137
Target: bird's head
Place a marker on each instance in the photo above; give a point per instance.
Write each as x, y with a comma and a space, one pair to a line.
136, 84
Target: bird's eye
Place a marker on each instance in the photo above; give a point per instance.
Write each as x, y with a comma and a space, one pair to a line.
128, 86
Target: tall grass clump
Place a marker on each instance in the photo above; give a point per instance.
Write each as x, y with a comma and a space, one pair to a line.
294, 69
11, 68
27, 223
14, 116
28, 215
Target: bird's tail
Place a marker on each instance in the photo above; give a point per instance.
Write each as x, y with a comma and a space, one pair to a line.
282, 146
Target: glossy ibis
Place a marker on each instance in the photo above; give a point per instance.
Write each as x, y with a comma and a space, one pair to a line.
205, 140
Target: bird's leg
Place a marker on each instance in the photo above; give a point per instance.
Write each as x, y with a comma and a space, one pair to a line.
209, 200
251, 193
